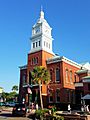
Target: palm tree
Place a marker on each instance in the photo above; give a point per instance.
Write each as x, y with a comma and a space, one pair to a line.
40, 75
15, 88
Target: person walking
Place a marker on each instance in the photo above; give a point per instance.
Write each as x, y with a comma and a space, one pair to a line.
69, 108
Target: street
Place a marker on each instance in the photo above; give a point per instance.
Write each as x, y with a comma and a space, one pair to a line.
8, 116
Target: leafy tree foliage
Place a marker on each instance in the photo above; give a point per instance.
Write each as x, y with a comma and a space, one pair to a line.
9, 96
15, 88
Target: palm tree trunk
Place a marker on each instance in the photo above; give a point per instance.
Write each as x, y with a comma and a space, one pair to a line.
41, 96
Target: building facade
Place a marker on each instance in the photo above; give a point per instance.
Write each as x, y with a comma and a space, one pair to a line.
67, 78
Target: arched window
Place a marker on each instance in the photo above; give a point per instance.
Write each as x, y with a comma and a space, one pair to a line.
33, 45
36, 44
39, 43
75, 78
66, 75
50, 96
44, 43
51, 74
71, 79
57, 75
57, 95
49, 45
36, 60
23, 79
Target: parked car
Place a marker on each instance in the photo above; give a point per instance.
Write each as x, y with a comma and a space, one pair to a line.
10, 104
19, 110
2, 104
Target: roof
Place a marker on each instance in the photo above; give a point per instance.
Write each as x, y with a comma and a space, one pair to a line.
86, 97
56, 59
23, 67
86, 77
81, 71
86, 65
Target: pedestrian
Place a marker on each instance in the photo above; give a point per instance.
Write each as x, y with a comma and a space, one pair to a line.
87, 108
32, 106
36, 106
82, 109
69, 108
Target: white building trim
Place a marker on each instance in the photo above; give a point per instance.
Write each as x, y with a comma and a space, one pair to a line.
64, 59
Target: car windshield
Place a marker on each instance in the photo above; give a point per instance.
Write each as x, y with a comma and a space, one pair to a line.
20, 105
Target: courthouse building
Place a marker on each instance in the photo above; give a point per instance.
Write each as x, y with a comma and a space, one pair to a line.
69, 81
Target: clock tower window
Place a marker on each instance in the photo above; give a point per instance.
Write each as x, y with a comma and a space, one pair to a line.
33, 45
49, 45
36, 44
34, 61
44, 43
39, 43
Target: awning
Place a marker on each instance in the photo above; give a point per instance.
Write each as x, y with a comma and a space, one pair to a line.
86, 97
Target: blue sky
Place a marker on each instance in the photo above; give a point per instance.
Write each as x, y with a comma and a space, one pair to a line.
70, 22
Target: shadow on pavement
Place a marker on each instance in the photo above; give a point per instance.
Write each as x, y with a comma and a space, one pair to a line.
6, 115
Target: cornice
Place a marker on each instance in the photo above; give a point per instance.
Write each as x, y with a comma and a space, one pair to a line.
23, 67
64, 59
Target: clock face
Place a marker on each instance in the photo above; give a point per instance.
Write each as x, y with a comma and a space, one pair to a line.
46, 31
37, 30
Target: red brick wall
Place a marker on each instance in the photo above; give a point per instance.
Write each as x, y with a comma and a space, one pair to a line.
86, 90
64, 87
70, 68
53, 67
42, 57
21, 90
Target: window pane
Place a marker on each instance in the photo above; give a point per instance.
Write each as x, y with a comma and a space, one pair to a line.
39, 43
71, 76
33, 45
57, 74
58, 95
51, 75
51, 96
36, 44
66, 75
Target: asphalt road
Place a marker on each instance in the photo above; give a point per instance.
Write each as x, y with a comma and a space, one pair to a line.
5, 115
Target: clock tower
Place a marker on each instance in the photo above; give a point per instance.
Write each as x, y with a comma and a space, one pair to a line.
41, 45
41, 38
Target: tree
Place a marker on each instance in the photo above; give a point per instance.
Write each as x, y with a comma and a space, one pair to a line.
15, 88
9, 96
40, 75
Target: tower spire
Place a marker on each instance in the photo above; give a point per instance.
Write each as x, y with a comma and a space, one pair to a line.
41, 13
41, 8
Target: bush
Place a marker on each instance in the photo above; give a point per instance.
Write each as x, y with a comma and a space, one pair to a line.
41, 112
45, 114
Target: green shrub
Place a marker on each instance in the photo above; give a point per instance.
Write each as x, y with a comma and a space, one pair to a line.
41, 112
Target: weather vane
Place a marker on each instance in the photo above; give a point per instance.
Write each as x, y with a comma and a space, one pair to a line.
41, 8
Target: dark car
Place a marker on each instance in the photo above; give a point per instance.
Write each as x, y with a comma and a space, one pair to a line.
19, 110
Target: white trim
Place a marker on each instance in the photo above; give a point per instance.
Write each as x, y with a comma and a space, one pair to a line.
86, 80
23, 67
78, 84
44, 94
64, 59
